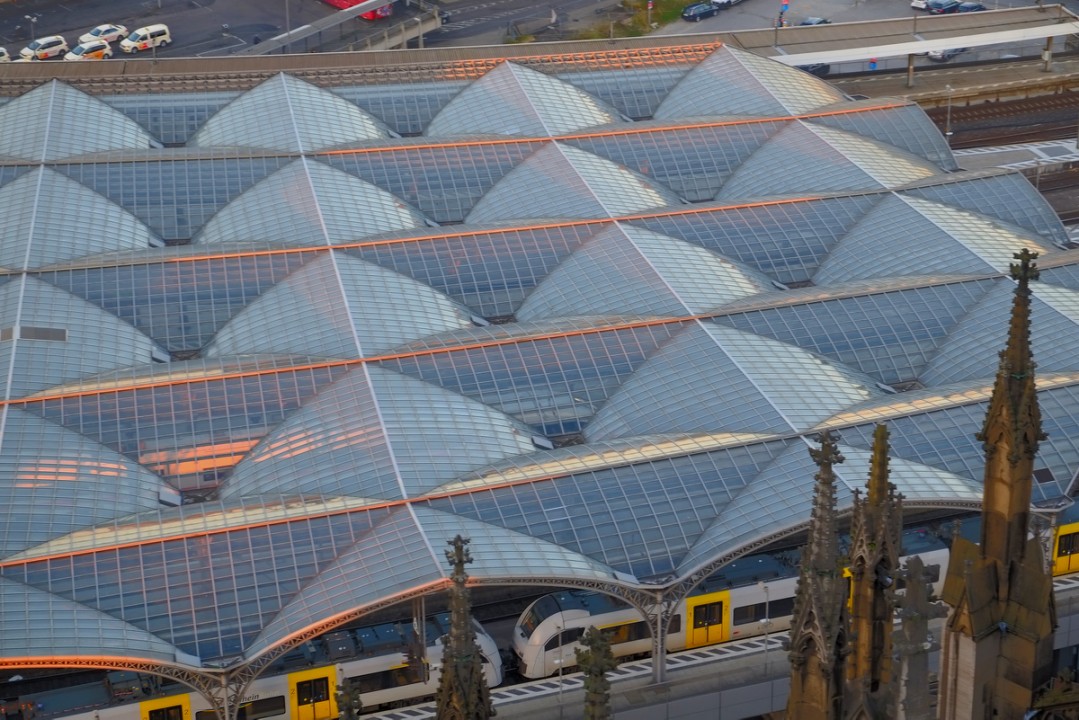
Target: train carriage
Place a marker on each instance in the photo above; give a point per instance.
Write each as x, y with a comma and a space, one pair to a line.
372, 660
749, 597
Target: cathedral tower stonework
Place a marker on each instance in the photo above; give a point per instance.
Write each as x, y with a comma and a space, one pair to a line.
818, 636
998, 639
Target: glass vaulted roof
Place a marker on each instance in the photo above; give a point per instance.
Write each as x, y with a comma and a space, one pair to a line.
44, 205
736, 82
515, 100
55, 121
609, 274
286, 113
561, 181
338, 306
308, 202
606, 365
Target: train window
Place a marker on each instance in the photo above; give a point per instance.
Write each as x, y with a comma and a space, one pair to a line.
261, 708
708, 614
206, 715
384, 680
173, 712
676, 625
529, 622
564, 638
1068, 544
782, 607
747, 614
309, 692
627, 633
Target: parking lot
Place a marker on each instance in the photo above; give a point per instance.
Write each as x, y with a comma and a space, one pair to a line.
757, 14
198, 27
762, 14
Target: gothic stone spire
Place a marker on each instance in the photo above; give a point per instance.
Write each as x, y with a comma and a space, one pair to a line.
1012, 431
462, 689
876, 526
1001, 597
818, 626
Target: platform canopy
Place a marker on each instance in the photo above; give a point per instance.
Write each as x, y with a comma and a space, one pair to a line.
257, 374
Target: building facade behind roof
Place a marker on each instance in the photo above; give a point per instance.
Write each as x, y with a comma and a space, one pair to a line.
586, 329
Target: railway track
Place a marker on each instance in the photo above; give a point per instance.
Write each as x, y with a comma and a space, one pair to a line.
1048, 117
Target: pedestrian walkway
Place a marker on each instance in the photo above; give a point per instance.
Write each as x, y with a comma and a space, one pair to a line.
1018, 157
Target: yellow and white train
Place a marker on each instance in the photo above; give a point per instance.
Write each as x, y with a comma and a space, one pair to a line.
370, 660
728, 606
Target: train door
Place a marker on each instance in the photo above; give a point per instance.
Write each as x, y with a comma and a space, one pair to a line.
707, 622
173, 707
311, 694
1066, 552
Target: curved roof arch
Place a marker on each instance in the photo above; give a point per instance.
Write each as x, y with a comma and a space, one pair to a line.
575, 184
406, 551
378, 434
776, 501
515, 100
770, 387
845, 322
906, 127
968, 352
290, 114
309, 203
1002, 194
61, 337
338, 306
34, 129
899, 233
629, 269
74, 630
73, 484
327, 381
736, 82
46, 205
803, 159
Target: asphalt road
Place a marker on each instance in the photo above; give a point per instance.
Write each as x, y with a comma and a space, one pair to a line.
196, 25
221, 27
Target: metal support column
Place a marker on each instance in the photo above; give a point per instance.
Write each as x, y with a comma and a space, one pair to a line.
1047, 55
419, 622
661, 619
910, 70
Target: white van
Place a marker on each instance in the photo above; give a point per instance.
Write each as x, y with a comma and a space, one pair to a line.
145, 38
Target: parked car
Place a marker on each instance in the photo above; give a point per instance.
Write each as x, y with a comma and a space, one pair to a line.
699, 11
918, 4
93, 50
944, 55
4, 57
971, 7
146, 38
818, 69
46, 47
941, 7
109, 32
816, 21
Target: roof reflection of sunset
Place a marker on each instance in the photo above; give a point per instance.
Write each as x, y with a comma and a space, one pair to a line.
58, 470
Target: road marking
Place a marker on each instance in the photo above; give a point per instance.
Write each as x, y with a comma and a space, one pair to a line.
239, 44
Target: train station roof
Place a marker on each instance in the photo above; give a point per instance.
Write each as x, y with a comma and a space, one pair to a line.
269, 348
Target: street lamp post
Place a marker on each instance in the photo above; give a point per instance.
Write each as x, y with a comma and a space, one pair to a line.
560, 663
288, 27
948, 114
33, 26
766, 625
